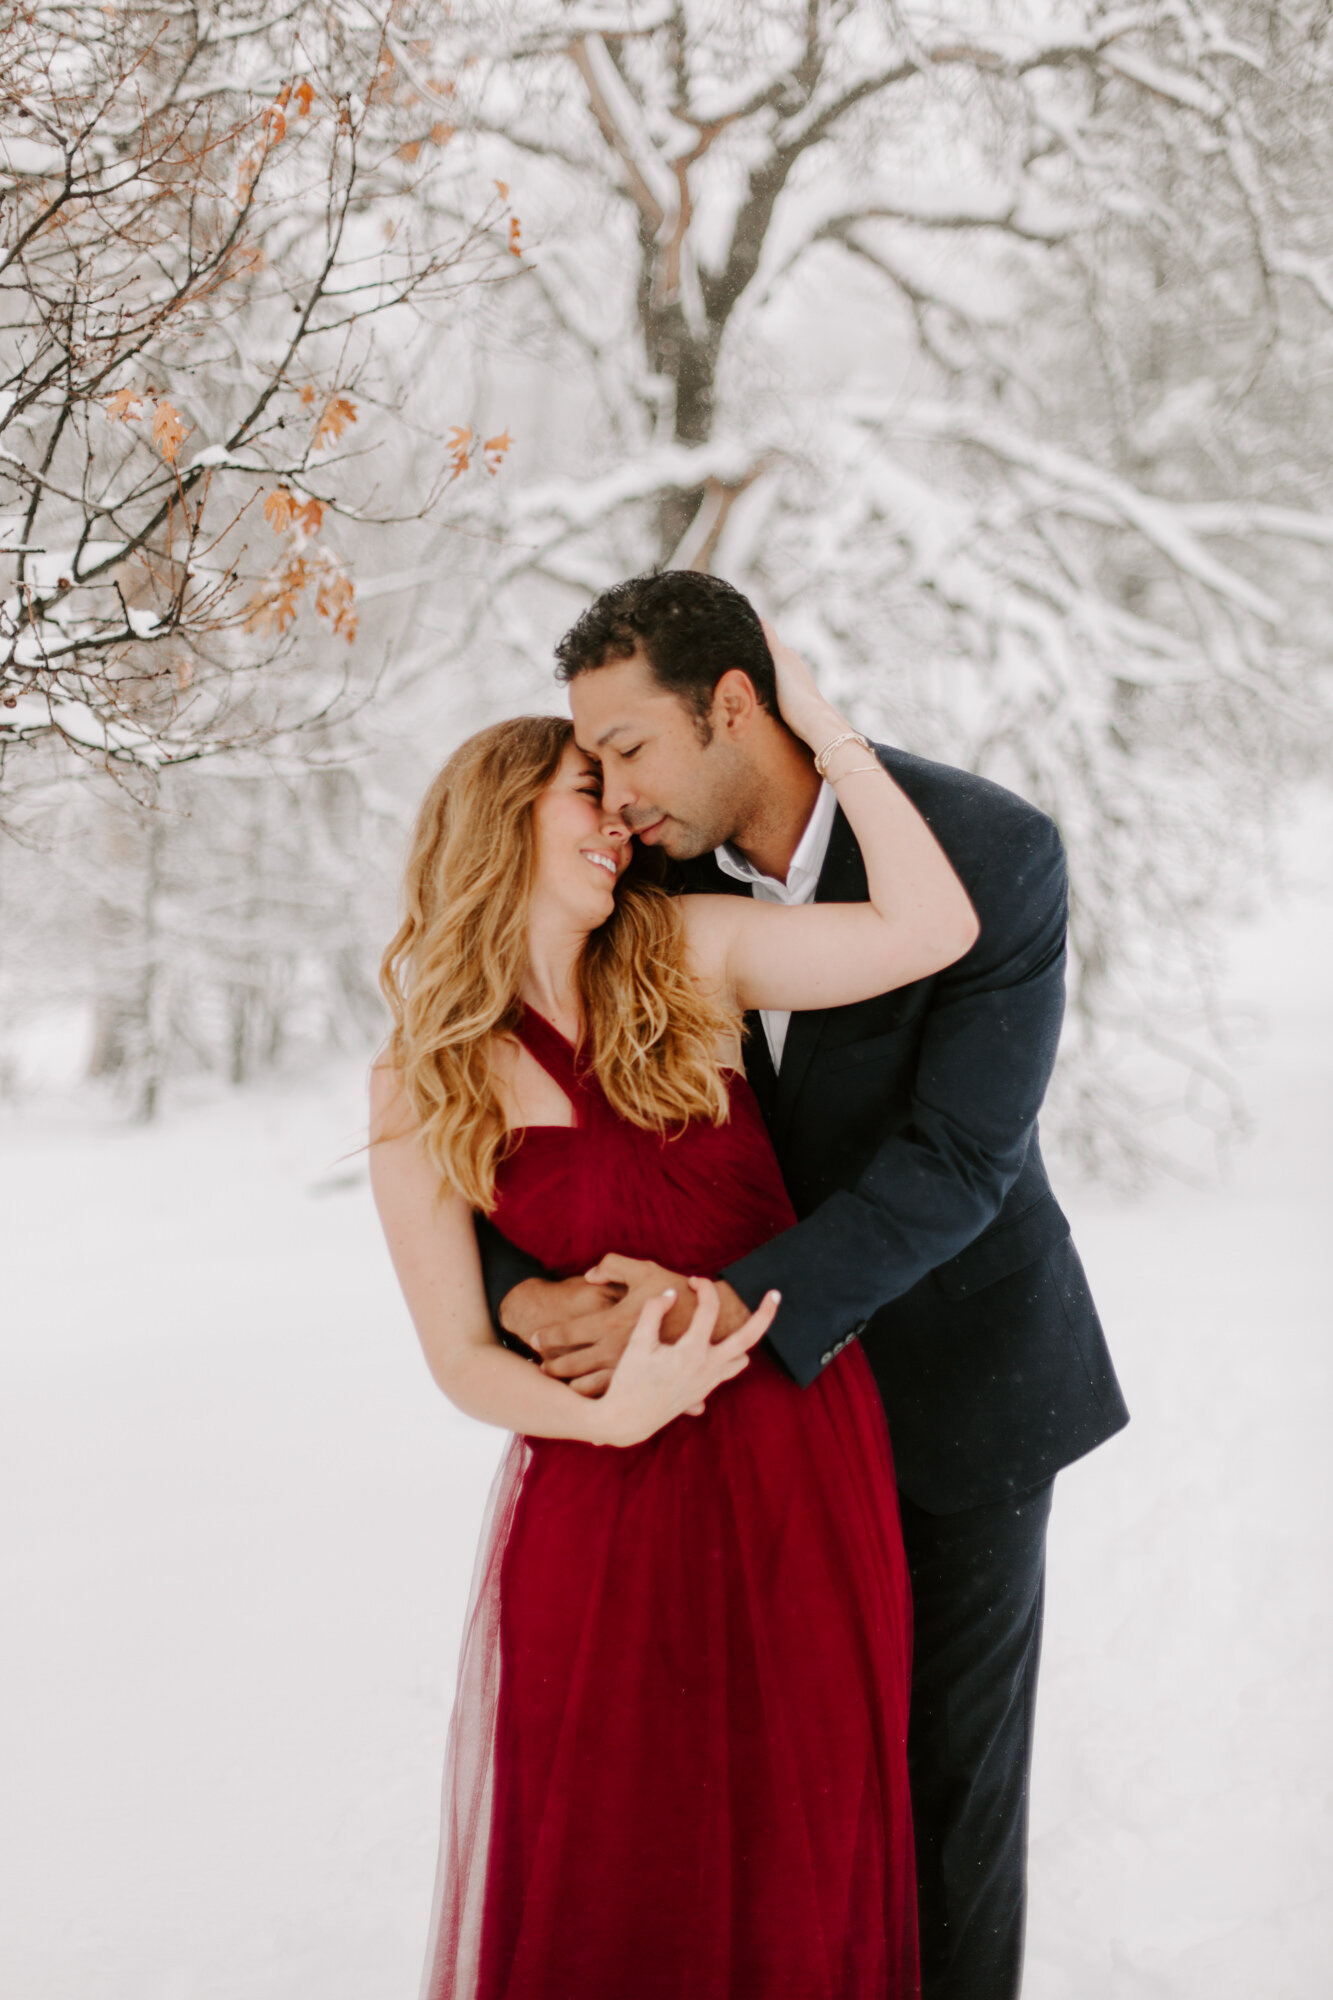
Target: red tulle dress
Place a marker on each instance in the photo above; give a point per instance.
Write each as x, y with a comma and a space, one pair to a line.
677, 1765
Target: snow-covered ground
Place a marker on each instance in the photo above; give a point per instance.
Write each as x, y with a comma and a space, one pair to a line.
239, 1525
1183, 1808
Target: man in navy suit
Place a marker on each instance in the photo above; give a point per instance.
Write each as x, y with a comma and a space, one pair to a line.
906, 1127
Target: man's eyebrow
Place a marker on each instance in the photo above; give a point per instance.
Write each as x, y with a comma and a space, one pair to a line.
616, 729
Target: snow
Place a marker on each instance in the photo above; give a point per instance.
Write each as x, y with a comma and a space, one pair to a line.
580, 502
631, 125
1173, 84
1183, 1803
1159, 521
30, 159
245, 1522
219, 455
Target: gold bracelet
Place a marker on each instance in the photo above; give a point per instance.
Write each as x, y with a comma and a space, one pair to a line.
855, 772
848, 736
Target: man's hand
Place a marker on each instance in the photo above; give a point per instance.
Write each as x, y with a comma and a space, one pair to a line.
584, 1335
540, 1302
658, 1381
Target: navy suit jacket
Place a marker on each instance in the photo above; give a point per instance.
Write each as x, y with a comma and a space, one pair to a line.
906, 1129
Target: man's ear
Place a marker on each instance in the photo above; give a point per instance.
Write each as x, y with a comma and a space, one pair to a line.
735, 703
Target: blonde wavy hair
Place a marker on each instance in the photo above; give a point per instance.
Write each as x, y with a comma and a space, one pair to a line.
454, 967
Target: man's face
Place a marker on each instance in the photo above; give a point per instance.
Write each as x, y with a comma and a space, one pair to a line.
673, 790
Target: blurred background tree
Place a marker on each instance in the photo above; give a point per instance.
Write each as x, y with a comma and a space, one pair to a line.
985, 348
213, 245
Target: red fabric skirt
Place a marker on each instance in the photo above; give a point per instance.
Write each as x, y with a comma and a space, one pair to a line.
677, 1765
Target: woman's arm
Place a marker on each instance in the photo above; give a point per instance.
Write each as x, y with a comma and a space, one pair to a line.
918, 918
434, 1252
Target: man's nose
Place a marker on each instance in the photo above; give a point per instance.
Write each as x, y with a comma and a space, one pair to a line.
616, 795
614, 827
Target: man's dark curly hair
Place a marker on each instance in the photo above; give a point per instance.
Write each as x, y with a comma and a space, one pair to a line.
690, 628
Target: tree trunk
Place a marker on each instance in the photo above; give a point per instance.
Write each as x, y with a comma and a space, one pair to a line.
690, 363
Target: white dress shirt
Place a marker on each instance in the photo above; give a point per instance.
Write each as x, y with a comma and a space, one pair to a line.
799, 887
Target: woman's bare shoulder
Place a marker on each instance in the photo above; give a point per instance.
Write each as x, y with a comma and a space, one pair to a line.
391, 1114
710, 926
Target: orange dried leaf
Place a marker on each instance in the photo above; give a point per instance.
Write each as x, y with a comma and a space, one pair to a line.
334, 602
499, 445
310, 516
307, 393
271, 614
168, 431
410, 150
514, 247
305, 97
441, 134
274, 126
278, 510
273, 610
503, 186
459, 448
337, 414
124, 404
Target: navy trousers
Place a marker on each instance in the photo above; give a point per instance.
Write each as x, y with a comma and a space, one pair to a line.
977, 1583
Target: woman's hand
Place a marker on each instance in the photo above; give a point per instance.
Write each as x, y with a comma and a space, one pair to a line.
804, 709
654, 1383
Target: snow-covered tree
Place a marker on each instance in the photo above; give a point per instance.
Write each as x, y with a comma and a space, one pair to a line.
223, 929
218, 234
212, 212
983, 347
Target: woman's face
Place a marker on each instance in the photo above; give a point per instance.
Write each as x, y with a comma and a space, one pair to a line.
580, 851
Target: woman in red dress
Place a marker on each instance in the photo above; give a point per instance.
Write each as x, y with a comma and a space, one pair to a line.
677, 1763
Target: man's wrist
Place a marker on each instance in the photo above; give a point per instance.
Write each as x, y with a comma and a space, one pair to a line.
517, 1316
732, 1311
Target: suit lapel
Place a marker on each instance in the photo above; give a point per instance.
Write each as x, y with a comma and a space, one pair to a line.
842, 879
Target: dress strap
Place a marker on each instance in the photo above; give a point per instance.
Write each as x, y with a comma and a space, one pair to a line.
548, 1046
